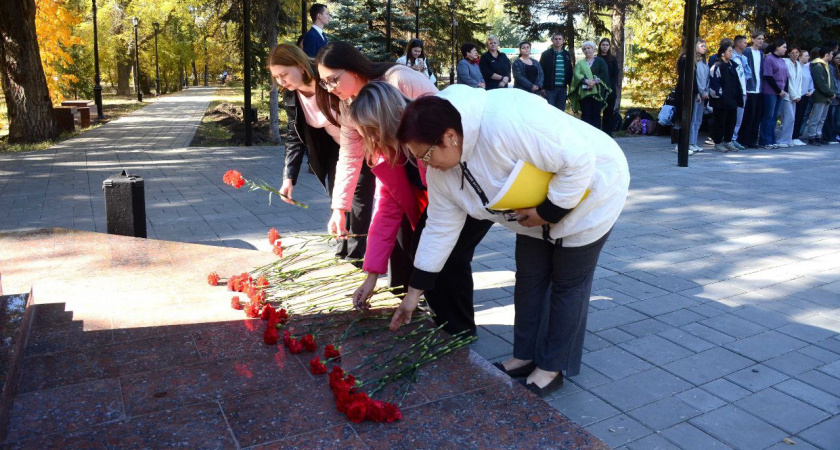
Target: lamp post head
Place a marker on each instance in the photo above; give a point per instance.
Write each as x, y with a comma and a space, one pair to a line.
156, 25
135, 21
416, 3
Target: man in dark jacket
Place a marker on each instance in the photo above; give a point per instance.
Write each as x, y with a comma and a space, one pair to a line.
748, 133
314, 39
821, 98
557, 67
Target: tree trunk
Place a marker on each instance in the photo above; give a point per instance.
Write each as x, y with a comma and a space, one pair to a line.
619, 14
195, 74
24, 84
124, 69
570, 36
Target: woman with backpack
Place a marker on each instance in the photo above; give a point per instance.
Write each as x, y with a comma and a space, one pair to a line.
726, 97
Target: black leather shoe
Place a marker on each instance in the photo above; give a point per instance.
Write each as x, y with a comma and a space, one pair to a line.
523, 371
543, 392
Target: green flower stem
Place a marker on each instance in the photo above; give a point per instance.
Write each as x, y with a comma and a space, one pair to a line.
256, 184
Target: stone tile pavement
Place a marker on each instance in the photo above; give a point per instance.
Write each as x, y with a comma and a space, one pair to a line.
715, 315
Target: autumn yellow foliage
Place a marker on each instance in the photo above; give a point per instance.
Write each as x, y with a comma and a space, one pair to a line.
656, 44
54, 24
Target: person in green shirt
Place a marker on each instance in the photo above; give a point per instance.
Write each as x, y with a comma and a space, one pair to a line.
590, 86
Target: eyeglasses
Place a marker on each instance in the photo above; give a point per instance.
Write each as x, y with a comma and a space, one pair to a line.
427, 156
331, 83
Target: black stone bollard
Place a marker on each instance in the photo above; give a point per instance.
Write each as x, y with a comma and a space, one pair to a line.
125, 205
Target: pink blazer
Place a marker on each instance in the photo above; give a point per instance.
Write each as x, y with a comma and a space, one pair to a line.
395, 197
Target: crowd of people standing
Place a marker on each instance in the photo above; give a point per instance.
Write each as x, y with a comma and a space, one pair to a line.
753, 86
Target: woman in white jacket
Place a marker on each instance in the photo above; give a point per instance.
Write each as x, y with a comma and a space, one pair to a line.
471, 140
784, 135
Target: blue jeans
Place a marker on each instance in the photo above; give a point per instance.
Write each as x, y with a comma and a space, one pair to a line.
551, 301
696, 120
771, 111
557, 97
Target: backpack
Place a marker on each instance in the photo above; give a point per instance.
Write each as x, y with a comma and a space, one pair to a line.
666, 115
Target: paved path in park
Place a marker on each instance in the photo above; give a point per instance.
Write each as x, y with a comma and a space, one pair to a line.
715, 314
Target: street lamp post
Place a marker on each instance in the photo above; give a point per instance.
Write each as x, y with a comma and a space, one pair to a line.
97, 87
417, 19
192, 44
246, 32
157, 67
135, 21
206, 73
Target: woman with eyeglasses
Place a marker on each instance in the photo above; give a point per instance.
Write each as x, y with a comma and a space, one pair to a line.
344, 71
401, 211
295, 73
471, 150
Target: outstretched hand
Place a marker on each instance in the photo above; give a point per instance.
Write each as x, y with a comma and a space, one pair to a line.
403, 313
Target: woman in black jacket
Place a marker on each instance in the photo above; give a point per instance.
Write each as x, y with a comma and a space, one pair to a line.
494, 65
726, 98
607, 124
294, 72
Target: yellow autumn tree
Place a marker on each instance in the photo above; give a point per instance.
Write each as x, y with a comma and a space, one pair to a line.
54, 23
655, 45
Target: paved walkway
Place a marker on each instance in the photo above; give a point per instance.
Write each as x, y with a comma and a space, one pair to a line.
715, 314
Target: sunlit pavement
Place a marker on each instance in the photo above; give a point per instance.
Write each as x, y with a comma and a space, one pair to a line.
715, 312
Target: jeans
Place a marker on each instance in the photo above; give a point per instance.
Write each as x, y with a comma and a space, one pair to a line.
785, 133
557, 97
771, 110
696, 121
816, 121
738, 119
551, 300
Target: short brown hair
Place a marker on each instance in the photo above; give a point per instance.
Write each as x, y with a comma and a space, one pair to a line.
426, 119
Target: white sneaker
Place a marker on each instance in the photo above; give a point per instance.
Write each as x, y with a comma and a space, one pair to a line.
798, 143
695, 148
833, 142
677, 150
783, 145
710, 141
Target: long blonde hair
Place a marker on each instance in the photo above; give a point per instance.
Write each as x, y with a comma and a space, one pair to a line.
376, 111
293, 56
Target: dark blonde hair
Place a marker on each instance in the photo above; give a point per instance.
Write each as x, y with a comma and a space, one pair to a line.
293, 56
377, 110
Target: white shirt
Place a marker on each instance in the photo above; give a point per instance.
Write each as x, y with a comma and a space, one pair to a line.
319, 30
756, 58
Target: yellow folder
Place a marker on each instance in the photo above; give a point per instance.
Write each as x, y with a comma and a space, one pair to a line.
526, 187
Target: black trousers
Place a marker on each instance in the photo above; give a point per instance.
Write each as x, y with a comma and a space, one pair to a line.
451, 300
748, 133
724, 124
401, 263
358, 219
799, 116
608, 119
590, 111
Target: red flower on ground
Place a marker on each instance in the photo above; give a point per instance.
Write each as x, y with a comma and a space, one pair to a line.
392, 412
261, 282
267, 312
252, 310
375, 411
234, 303
295, 346
308, 342
282, 316
286, 338
356, 411
330, 352
317, 367
213, 279
278, 249
234, 179
271, 337
273, 235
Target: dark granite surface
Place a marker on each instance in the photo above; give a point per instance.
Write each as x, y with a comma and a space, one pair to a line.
131, 348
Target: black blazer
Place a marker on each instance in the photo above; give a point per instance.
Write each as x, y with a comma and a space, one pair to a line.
322, 148
312, 42
490, 65
756, 77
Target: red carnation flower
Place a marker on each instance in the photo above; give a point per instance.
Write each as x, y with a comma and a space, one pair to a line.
234, 303
286, 338
273, 235
234, 179
271, 337
262, 282
213, 279
317, 367
282, 316
392, 412
278, 249
252, 310
330, 352
295, 346
267, 312
308, 342
375, 411
356, 411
